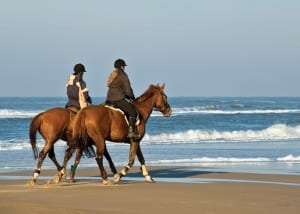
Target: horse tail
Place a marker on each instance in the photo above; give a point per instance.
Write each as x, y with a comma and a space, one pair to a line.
34, 127
76, 128
79, 134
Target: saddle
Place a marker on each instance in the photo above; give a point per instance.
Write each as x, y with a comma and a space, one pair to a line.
73, 109
115, 108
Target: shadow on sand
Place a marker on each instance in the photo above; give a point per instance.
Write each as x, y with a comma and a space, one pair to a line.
170, 172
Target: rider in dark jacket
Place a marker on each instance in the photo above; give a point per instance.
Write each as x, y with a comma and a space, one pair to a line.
77, 92
119, 91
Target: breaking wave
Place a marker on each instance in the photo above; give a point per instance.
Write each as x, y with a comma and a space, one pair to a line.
279, 132
9, 113
273, 133
214, 109
226, 160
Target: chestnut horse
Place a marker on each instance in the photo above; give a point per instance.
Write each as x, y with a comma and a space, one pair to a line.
52, 125
103, 123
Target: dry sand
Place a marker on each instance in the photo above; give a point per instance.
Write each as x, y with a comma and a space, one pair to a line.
214, 193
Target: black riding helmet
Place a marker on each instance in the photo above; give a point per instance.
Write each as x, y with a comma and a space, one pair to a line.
119, 63
79, 68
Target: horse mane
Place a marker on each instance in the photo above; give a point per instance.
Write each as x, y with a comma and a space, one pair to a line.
148, 93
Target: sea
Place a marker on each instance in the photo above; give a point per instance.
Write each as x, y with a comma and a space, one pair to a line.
217, 134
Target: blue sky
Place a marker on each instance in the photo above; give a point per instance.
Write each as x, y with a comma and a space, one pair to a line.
198, 48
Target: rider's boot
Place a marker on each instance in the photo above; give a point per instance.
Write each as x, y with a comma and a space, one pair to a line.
132, 132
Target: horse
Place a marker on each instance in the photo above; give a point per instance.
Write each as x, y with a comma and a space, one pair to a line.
52, 125
102, 123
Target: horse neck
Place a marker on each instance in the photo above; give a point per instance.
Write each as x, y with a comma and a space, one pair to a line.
145, 108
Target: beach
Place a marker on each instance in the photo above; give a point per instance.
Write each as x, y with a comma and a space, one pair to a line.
213, 155
176, 190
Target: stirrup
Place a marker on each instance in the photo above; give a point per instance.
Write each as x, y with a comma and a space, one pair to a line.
134, 134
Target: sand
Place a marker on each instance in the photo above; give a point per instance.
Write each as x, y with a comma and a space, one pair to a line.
181, 190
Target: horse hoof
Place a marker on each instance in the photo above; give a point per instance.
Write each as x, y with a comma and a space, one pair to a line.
32, 182
116, 178
149, 179
106, 182
57, 178
48, 183
63, 178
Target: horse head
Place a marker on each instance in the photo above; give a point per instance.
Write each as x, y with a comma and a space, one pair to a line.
159, 99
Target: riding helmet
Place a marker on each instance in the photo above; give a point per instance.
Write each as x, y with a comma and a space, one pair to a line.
79, 68
119, 63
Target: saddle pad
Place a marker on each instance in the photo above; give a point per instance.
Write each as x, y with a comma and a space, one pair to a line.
137, 120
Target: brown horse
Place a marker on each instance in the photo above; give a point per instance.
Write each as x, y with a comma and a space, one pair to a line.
52, 125
102, 123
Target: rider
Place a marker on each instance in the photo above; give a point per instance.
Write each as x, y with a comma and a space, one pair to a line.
77, 92
119, 92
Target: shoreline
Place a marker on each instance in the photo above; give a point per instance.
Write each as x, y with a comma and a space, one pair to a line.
159, 172
219, 192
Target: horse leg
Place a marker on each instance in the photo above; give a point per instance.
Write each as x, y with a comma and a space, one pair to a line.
143, 168
100, 145
133, 151
111, 164
76, 163
68, 154
99, 160
41, 158
51, 155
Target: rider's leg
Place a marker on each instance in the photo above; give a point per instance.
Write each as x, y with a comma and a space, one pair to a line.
131, 112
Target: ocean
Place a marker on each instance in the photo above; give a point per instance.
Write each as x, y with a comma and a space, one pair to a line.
219, 134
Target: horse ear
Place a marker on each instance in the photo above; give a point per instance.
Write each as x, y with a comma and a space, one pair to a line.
163, 86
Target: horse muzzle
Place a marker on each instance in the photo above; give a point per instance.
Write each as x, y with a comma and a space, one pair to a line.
167, 112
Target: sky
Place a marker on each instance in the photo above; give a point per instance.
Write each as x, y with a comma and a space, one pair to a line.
196, 47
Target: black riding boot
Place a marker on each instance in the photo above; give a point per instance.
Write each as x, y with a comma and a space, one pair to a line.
132, 132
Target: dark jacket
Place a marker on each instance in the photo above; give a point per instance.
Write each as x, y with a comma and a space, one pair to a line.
119, 86
73, 91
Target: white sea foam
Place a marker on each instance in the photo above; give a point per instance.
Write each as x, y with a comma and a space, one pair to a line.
210, 161
279, 132
213, 109
289, 158
216, 110
24, 144
9, 113
216, 160
274, 133
14, 145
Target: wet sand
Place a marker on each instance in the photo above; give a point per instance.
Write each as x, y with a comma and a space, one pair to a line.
176, 190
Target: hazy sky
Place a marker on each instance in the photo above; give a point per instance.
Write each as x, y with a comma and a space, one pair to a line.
196, 47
